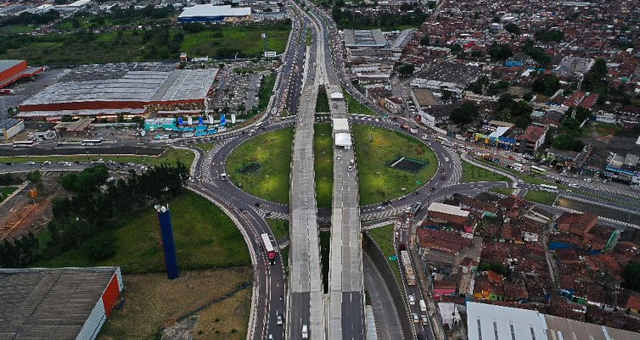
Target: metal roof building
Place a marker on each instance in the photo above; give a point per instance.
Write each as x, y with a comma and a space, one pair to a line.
63, 303
485, 321
447, 209
135, 90
208, 12
364, 38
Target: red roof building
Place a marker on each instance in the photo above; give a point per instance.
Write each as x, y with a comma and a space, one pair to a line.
14, 70
578, 224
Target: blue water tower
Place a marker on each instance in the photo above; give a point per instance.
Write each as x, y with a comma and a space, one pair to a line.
169, 244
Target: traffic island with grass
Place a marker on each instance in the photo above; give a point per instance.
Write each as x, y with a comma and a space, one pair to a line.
540, 196
260, 166
376, 150
472, 173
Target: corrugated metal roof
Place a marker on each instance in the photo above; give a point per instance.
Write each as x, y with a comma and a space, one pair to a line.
208, 10
447, 209
49, 303
486, 321
134, 86
8, 63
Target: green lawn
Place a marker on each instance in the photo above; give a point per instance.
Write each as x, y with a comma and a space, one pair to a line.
383, 237
13, 29
280, 228
270, 153
355, 107
322, 102
323, 163
245, 39
376, 148
5, 192
171, 156
472, 173
540, 196
526, 178
205, 238
206, 147
501, 190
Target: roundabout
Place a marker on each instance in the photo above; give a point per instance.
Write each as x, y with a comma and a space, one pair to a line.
391, 164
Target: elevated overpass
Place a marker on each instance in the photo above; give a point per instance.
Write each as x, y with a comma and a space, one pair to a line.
305, 300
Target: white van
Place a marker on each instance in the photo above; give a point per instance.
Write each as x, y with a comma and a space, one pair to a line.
305, 332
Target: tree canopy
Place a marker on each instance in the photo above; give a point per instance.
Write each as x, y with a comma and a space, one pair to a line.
465, 113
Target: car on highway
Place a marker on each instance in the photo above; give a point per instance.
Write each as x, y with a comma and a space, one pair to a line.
415, 317
425, 321
305, 332
412, 300
279, 319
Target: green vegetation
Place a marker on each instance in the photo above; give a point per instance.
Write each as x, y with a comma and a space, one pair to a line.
170, 156
383, 237
323, 164
631, 276
549, 35
568, 135
206, 147
531, 179
495, 267
260, 166
88, 178
266, 90
501, 190
465, 113
9, 179
376, 148
322, 102
472, 173
515, 111
205, 238
308, 38
280, 228
5, 192
165, 42
540, 196
355, 107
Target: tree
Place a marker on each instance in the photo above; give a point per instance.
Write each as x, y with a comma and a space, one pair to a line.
500, 52
424, 41
546, 84
464, 114
101, 247
631, 275
549, 35
34, 177
512, 28
406, 70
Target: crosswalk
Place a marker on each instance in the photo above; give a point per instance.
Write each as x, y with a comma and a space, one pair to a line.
456, 173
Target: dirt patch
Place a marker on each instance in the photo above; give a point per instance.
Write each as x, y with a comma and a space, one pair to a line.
151, 303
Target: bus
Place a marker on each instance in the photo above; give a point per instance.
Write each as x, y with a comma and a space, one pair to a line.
22, 143
92, 141
444, 141
549, 188
423, 306
268, 247
538, 170
408, 269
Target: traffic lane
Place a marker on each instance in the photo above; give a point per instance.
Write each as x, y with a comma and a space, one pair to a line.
300, 314
386, 315
352, 316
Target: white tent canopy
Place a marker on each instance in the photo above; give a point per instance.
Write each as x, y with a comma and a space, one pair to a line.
343, 140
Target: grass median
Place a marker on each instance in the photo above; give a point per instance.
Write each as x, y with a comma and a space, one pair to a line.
261, 165
383, 237
170, 156
472, 173
355, 107
540, 196
323, 163
377, 149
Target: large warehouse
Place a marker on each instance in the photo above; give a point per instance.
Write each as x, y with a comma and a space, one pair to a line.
130, 93
211, 13
64, 303
14, 70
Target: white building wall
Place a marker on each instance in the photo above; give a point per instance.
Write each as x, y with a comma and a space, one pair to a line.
94, 322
